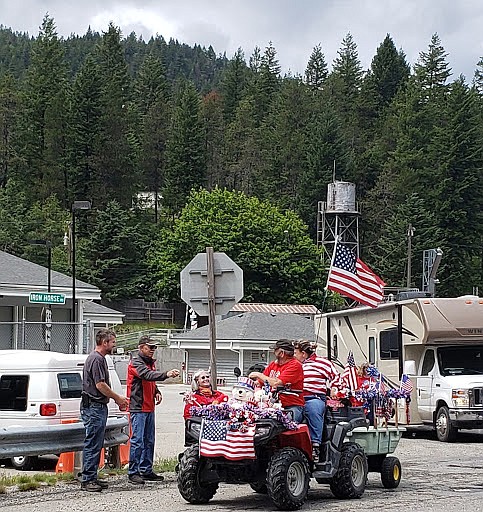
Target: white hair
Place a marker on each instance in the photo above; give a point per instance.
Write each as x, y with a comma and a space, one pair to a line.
194, 382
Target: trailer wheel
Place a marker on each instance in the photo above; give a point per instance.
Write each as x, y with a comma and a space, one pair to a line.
391, 472
445, 432
288, 479
190, 486
350, 479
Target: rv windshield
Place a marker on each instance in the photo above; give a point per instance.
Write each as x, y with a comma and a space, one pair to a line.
461, 360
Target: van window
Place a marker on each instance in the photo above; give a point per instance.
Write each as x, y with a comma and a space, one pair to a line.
428, 362
388, 344
70, 385
372, 350
335, 347
13, 392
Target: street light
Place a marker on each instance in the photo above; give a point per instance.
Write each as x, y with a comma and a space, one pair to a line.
76, 205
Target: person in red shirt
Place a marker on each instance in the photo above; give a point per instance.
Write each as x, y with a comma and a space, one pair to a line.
203, 393
283, 371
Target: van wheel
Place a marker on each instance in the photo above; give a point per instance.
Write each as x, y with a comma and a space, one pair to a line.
445, 432
24, 462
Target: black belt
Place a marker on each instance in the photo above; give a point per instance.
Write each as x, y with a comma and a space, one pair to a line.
315, 396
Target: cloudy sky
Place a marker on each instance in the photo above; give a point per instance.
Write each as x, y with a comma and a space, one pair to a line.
294, 26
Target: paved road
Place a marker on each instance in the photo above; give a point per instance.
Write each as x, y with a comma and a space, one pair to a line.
436, 477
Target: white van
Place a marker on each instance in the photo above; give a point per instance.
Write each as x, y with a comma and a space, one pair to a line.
40, 388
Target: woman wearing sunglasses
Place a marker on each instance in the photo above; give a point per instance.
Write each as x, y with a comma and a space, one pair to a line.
202, 393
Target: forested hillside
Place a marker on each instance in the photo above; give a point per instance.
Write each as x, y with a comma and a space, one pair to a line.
238, 156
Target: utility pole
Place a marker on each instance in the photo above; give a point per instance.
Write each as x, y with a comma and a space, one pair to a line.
410, 235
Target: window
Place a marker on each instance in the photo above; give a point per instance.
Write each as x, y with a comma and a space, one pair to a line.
372, 350
335, 348
13, 392
70, 385
428, 362
388, 344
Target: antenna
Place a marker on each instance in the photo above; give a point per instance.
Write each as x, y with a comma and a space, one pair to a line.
333, 173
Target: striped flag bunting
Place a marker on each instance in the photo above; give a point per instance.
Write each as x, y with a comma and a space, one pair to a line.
350, 372
217, 440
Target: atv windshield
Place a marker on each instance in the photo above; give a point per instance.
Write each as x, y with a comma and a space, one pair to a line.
461, 360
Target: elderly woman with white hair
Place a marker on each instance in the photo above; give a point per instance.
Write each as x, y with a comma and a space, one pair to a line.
203, 393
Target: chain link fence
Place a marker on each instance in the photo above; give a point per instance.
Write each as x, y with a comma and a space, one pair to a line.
65, 337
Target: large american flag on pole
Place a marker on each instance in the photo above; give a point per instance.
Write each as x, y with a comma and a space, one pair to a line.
217, 440
349, 375
352, 278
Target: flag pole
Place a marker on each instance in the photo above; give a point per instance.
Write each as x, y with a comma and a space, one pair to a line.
332, 261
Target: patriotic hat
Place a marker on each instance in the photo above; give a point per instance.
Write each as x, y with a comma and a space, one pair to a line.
245, 382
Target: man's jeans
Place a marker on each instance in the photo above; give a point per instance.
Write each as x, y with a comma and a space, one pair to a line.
141, 453
95, 418
314, 412
297, 412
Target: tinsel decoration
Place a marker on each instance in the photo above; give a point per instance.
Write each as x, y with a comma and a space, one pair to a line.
245, 415
372, 372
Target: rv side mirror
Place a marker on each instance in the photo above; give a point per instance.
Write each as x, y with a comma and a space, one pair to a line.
410, 367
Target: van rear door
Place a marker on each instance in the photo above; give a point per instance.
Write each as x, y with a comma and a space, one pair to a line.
70, 390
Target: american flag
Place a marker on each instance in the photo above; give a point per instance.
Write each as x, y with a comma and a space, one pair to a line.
352, 278
381, 385
217, 440
406, 384
350, 372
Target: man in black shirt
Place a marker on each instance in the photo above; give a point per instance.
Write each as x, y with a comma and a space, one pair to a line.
96, 392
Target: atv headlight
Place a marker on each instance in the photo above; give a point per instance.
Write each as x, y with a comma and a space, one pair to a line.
195, 429
460, 397
262, 431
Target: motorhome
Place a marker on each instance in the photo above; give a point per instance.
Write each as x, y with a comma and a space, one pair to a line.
41, 388
438, 342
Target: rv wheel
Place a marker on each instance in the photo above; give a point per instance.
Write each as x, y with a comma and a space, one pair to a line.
444, 430
24, 462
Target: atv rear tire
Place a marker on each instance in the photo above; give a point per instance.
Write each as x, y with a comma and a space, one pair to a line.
350, 479
391, 472
288, 479
259, 487
190, 486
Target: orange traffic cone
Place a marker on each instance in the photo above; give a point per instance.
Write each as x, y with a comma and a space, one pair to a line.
66, 461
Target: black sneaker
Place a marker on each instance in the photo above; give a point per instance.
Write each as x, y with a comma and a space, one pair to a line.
316, 453
136, 479
91, 486
152, 477
103, 484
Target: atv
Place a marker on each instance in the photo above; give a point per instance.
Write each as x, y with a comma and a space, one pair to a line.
284, 462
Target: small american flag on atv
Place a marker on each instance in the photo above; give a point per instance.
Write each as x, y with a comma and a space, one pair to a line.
217, 440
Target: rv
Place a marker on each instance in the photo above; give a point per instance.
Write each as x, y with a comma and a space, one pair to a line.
437, 342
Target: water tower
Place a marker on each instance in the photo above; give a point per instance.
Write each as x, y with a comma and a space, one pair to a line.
338, 216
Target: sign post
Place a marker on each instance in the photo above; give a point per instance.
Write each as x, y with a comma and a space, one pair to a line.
211, 284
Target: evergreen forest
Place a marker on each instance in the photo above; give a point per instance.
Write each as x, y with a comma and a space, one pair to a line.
178, 148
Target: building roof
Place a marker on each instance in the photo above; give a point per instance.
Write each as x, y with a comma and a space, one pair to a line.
297, 309
263, 327
19, 276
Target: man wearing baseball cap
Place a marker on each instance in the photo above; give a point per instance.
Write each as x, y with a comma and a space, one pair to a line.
285, 370
143, 395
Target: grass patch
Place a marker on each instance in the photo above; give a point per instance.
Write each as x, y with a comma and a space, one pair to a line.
165, 465
28, 486
3, 489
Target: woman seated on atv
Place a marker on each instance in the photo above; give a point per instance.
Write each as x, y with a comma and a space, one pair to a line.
203, 393
320, 377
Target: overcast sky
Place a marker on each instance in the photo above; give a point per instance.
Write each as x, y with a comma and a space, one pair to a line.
294, 26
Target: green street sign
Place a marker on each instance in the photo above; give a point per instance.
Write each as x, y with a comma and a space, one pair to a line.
46, 298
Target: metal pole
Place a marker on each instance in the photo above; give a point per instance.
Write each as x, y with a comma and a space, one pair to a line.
210, 275
73, 315
410, 235
49, 265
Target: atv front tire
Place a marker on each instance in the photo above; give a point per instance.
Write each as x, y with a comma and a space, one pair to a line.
350, 479
288, 479
190, 484
260, 487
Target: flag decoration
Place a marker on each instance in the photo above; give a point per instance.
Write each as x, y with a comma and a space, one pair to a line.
217, 439
352, 278
349, 376
406, 384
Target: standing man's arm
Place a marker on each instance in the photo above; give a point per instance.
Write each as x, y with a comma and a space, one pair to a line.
121, 401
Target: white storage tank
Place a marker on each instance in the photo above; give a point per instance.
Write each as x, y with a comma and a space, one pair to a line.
341, 197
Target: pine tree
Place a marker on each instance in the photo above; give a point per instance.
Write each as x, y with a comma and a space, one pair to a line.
185, 152
233, 83
214, 130
8, 120
316, 72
